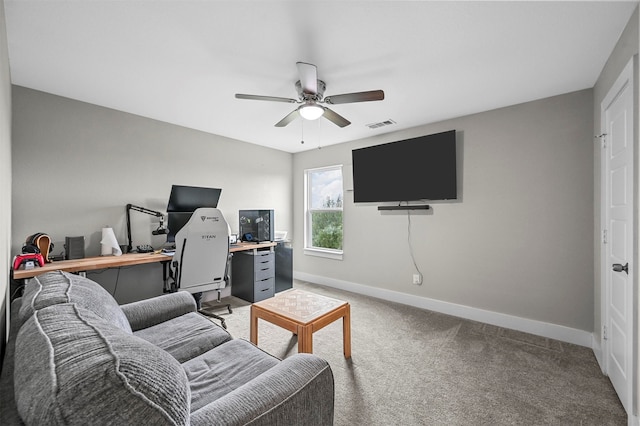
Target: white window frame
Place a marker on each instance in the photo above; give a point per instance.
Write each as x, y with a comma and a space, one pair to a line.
308, 248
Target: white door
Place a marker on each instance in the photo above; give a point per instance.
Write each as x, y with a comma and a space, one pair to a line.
618, 268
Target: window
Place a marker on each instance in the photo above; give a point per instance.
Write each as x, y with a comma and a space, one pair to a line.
323, 212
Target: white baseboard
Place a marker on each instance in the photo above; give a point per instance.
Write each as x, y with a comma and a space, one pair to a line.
597, 351
539, 328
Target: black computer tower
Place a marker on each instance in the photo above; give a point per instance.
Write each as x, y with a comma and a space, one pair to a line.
256, 225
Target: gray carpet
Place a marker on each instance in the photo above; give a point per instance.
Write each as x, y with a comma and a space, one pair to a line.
415, 367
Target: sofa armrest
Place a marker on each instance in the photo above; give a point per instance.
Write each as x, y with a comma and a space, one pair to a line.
299, 390
149, 312
9, 412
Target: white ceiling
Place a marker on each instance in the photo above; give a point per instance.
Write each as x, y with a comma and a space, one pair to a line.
182, 61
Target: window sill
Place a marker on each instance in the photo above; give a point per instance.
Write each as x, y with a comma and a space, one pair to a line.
329, 254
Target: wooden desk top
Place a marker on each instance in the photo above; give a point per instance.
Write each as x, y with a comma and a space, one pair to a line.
90, 263
129, 259
251, 246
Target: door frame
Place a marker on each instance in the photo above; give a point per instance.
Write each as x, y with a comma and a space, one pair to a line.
626, 78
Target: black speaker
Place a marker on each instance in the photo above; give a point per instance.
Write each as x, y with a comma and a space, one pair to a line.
257, 223
74, 247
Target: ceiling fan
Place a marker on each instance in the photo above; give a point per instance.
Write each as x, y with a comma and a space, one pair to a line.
310, 93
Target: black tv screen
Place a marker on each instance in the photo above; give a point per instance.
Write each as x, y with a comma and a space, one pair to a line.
422, 168
189, 198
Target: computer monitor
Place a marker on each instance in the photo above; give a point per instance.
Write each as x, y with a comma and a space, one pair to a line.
189, 198
175, 222
183, 201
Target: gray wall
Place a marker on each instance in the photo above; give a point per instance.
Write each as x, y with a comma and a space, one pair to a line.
76, 166
5, 176
626, 48
518, 241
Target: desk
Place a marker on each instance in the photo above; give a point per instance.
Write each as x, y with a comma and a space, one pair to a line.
251, 246
92, 263
129, 259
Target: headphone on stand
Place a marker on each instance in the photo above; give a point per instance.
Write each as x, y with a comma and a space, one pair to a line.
38, 243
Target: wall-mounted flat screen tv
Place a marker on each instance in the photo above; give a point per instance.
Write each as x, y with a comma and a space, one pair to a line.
422, 168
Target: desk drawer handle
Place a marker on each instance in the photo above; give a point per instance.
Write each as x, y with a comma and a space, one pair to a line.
266, 289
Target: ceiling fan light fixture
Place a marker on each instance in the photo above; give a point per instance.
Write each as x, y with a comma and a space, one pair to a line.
311, 94
311, 111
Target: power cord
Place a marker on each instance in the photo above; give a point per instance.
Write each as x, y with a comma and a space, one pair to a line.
101, 271
16, 291
413, 258
115, 288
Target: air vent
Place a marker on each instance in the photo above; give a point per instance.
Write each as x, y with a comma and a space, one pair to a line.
381, 124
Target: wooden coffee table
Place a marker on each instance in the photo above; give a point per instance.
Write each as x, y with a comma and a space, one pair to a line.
303, 313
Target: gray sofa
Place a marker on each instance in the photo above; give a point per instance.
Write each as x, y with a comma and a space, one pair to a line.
74, 356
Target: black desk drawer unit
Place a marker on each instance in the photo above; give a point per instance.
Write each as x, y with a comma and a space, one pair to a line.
253, 275
284, 266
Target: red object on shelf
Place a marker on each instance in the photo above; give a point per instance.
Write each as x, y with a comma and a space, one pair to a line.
26, 258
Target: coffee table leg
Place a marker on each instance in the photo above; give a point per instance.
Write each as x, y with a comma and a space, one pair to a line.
253, 328
346, 331
305, 339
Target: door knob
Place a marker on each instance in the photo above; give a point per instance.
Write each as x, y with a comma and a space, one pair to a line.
617, 267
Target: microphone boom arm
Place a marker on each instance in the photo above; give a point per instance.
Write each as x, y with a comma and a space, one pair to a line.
141, 210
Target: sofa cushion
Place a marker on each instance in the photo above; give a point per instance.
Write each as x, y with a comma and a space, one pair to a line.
186, 336
56, 287
74, 367
224, 369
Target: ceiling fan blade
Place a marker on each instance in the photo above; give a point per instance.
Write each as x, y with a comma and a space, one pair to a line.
335, 118
308, 77
288, 118
264, 98
347, 98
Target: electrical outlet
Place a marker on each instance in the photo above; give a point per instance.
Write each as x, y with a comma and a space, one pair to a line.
417, 279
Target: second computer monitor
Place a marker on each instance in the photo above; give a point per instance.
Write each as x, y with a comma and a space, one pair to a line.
175, 222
